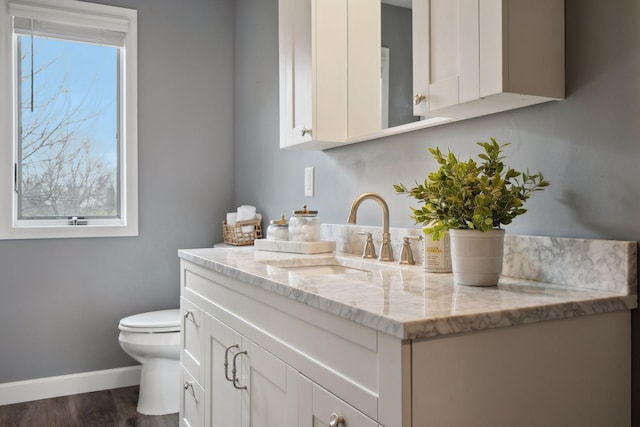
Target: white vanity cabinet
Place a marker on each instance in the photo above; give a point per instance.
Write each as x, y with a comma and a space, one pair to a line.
230, 381
476, 57
255, 354
266, 363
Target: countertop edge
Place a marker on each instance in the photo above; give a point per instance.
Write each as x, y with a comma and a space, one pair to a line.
428, 327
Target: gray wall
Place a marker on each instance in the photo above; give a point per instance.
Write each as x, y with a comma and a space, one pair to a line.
587, 145
60, 300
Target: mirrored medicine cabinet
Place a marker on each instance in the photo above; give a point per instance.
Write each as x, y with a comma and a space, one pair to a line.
355, 70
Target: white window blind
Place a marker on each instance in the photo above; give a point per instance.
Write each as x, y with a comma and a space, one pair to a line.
55, 30
55, 22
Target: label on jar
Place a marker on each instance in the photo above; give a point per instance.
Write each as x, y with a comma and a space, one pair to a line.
437, 254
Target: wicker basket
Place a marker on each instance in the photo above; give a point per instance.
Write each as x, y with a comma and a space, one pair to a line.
233, 234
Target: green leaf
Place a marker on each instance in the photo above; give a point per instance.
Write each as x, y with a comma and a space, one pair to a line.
469, 194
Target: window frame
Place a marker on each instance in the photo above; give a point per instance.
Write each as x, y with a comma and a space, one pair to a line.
80, 13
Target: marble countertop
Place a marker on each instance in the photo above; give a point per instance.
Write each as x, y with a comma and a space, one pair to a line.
405, 301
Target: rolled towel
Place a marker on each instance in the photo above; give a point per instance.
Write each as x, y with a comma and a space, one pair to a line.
232, 217
246, 212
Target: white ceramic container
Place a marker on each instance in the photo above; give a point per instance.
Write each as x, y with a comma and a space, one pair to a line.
476, 256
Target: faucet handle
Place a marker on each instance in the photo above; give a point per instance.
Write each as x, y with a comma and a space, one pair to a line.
369, 249
406, 256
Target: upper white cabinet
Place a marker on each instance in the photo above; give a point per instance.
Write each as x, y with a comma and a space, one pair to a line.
339, 78
477, 57
329, 71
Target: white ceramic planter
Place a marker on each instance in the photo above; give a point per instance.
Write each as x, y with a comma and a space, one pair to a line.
476, 256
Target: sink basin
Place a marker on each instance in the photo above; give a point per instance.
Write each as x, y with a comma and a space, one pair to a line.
323, 265
323, 269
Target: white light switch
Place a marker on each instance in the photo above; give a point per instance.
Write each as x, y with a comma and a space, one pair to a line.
308, 182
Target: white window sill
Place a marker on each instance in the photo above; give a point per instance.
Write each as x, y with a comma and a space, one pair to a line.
68, 231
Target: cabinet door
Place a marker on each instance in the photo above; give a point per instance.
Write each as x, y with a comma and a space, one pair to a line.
364, 64
318, 408
446, 53
224, 407
294, 33
271, 398
265, 393
313, 71
301, 75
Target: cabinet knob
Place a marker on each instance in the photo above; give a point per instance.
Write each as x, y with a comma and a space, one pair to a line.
306, 131
419, 98
336, 420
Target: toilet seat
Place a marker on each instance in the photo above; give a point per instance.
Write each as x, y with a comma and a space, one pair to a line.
154, 321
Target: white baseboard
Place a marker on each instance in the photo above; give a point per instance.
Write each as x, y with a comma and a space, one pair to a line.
65, 385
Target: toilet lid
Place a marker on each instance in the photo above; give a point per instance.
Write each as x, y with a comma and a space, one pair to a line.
154, 321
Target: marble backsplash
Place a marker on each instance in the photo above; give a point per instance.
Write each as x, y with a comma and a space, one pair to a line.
349, 241
607, 265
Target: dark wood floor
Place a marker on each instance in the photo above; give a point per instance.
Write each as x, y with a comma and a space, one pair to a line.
106, 408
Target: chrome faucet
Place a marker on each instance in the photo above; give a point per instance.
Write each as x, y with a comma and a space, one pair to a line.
386, 252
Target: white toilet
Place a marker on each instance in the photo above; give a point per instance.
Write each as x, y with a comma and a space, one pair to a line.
153, 339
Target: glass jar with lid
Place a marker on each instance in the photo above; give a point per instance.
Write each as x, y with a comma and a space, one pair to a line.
304, 226
278, 229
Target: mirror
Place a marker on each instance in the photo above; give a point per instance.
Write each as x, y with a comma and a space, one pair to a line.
392, 26
396, 64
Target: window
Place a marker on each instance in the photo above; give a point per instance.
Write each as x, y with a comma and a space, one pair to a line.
73, 141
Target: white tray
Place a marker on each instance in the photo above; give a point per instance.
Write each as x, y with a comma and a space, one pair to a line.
320, 247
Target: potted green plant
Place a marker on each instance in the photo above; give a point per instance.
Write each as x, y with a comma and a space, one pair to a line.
472, 200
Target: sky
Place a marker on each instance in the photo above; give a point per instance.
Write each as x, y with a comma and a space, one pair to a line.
91, 81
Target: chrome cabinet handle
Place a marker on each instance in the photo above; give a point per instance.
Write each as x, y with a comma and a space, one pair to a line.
306, 131
189, 314
335, 420
419, 98
189, 385
234, 371
226, 361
